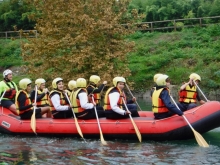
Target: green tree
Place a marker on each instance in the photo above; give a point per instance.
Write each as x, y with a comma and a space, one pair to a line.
78, 38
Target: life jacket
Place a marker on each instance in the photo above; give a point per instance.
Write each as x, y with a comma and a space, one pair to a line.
96, 95
27, 102
68, 92
188, 95
157, 104
63, 100
11, 92
44, 101
107, 105
76, 102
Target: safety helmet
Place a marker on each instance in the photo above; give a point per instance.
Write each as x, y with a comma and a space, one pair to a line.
6, 72
161, 81
94, 78
81, 82
195, 77
55, 81
39, 81
72, 84
118, 79
156, 76
23, 83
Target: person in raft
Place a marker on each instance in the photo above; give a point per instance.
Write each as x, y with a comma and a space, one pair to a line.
188, 93
113, 103
161, 102
42, 96
58, 102
93, 90
80, 102
9, 89
71, 87
23, 102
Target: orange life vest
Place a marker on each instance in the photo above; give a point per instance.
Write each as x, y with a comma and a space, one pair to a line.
62, 99
107, 105
27, 102
44, 101
188, 95
157, 104
76, 102
96, 95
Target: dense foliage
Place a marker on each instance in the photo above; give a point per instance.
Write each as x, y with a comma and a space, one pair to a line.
78, 39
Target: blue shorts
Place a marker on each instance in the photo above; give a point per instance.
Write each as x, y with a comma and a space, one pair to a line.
7, 103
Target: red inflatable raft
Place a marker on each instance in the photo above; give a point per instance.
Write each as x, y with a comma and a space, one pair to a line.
203, 118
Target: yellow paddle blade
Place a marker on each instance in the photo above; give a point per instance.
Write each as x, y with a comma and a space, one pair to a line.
78, 128
200, 140
102, 139
33, 123
136, 129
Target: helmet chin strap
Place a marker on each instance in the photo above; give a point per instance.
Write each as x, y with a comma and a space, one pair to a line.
6, 79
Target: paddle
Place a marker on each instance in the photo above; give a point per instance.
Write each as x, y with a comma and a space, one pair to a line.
132, 121
200, 90
33, 119
101, 136
76, 121
133, 96
2, 96
200, 140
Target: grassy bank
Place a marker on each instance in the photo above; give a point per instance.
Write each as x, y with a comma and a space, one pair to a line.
177, 54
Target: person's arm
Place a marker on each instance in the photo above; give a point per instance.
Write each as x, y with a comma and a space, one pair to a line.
21, 100
55, 99
83, 98
166, 100
114, 97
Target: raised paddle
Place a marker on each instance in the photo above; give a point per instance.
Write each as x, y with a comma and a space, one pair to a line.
132, 121
200, 140
133, 96
100, 131
2, 96
76, 121
200, 90
33, 119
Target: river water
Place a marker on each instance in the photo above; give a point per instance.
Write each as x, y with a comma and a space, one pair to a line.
37, 150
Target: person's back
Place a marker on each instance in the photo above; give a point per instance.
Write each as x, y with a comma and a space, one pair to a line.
161, 103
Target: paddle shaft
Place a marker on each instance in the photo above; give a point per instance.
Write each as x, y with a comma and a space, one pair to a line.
133, 97
100, 130
200, 90
133, 123
76, 121
33, 119
2, 96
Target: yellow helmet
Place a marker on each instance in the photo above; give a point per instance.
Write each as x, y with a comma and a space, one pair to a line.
39, 81
23, 83
156, 76
118, 79
195, 77
55, 81
94, 78
81, 82
161, 81
72, 84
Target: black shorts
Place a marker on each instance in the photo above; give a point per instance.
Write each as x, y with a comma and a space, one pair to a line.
7, 103
27, 115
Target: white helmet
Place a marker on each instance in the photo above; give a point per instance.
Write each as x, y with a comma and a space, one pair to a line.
39, 81
55, 81
72, 84
118, 79
161, 81
23, 83
6, 72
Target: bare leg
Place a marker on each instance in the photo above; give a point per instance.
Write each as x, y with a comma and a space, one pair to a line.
46, 110
13, 109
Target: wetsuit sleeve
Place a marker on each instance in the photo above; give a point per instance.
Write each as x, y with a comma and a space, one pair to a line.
166, 100
198, 97
21, 100
98, 90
